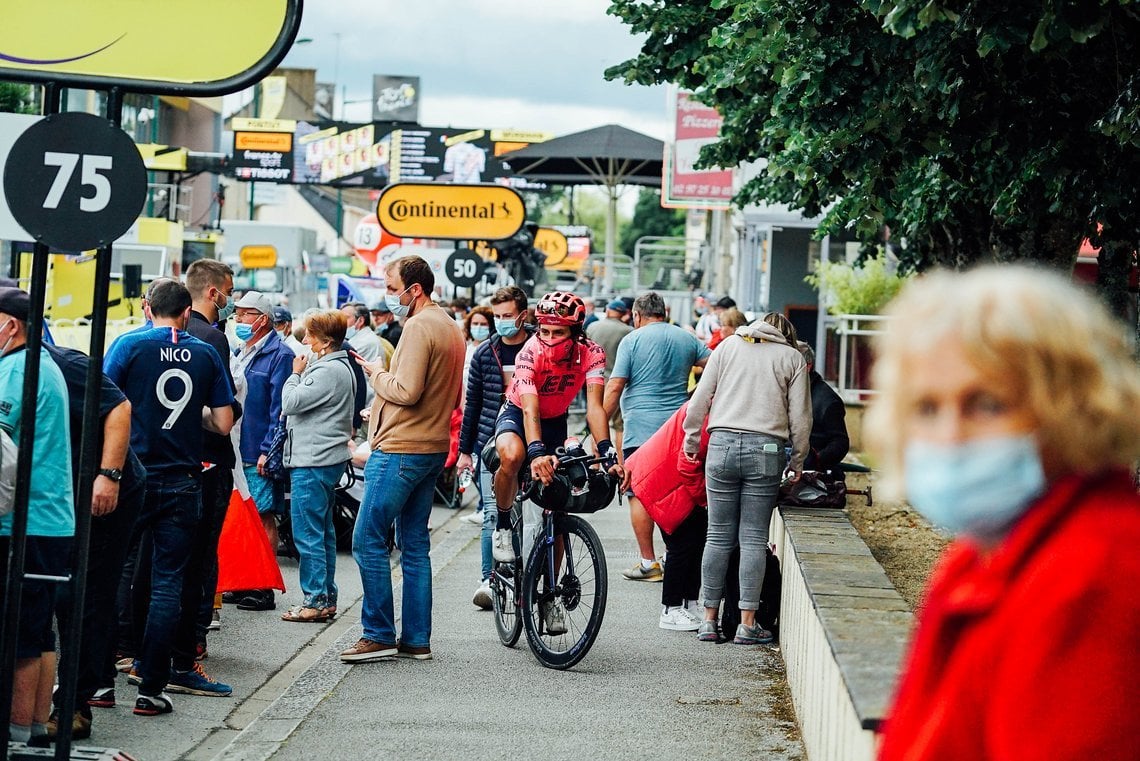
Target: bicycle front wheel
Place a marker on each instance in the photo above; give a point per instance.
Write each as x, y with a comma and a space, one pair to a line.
564, 593
504, 596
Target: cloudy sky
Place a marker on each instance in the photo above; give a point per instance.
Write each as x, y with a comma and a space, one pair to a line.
523, 64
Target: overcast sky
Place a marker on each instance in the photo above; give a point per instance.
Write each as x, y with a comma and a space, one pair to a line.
524, 64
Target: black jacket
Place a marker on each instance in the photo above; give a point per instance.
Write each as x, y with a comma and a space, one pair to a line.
829, 441
216, 448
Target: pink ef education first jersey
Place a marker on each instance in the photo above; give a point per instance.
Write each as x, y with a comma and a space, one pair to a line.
555, 374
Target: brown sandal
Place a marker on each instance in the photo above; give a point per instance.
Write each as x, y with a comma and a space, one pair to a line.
301, 614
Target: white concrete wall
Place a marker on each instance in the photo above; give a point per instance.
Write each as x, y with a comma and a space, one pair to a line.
831, 731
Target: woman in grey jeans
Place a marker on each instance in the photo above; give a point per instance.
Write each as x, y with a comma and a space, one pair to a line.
318, 400
756, 394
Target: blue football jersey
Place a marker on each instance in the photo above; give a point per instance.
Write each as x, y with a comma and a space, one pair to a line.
169, 376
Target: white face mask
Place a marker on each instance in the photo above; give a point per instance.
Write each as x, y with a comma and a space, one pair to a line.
4, 327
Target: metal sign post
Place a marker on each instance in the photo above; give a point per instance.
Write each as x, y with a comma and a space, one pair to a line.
26, 444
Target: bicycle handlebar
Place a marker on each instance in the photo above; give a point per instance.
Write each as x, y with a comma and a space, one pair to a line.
565, 461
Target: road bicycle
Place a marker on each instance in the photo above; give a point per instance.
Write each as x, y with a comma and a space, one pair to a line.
565, 571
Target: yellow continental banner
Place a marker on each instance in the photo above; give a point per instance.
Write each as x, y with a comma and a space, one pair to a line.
173, 46
263, 141
453, 212
552, 243
258, 257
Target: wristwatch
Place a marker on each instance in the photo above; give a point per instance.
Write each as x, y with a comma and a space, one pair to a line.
114, 474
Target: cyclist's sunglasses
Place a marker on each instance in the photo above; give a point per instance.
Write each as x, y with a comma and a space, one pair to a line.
562, 310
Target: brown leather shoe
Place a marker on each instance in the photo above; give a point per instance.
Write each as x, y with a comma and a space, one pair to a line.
365, 651
418, 653
80, 725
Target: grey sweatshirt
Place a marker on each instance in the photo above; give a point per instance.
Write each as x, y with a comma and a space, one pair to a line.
754, 382
318, 404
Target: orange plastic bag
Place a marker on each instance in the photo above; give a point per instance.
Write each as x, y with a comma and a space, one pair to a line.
245, 559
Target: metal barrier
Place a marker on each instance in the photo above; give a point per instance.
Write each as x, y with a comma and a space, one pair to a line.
855, 332
76, 334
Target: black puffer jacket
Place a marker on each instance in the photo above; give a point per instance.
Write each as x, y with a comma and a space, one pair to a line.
485, 394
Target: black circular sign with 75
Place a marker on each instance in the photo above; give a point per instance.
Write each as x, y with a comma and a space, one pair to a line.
75, 182
464, 268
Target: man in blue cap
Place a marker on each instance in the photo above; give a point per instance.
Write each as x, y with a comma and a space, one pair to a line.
283, 324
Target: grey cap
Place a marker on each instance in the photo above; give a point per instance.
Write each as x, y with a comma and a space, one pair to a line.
255, 300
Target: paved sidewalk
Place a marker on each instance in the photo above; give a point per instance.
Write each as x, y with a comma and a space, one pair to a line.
640, 691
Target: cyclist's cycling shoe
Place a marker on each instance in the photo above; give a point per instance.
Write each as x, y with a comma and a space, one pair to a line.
502, 547
554, 617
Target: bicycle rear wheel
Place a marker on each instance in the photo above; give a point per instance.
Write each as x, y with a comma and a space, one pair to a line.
579, 587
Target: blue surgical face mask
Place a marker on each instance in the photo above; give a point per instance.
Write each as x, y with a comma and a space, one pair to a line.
392, 300
227, 311
977, 488
348, 334
507, 327
480, 332
243, 331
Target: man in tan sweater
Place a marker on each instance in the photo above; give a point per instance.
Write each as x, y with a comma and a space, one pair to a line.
409, 429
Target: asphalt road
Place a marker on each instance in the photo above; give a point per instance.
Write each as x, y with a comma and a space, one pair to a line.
640, 692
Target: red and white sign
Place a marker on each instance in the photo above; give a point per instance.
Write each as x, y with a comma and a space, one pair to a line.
696, 125
370, 239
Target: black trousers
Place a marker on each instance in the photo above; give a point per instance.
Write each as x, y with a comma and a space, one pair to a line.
201, 579
684, 548
108, 545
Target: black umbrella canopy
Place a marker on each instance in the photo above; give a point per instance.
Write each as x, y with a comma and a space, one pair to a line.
611, 155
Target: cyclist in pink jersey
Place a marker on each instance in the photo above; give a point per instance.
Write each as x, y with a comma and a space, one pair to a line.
550, 369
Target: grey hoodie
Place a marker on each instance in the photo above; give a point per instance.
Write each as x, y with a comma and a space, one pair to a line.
754, 382
319, 404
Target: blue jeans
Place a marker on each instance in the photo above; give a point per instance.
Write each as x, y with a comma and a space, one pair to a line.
313, 532
171, 511
490, 514
742, 481
398, 489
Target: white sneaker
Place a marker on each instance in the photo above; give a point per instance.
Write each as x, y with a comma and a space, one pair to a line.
502, 548
482, 598
695, 609
474, 517
679, 620
555, 618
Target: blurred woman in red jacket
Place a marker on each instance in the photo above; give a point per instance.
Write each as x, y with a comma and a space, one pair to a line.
1009, 413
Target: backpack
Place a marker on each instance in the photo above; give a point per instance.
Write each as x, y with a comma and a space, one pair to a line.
8, 454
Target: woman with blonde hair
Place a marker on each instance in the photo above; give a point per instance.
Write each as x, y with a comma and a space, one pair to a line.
318, 399
1009, 414
756, 396
730, 320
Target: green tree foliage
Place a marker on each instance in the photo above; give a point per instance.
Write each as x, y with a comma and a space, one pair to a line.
650, 218
850, 289
15, 98
977, 130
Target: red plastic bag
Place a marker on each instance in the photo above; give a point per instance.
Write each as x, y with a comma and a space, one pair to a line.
453, 448
245, 559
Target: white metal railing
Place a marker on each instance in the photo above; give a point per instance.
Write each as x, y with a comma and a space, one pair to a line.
76, 334
854, 332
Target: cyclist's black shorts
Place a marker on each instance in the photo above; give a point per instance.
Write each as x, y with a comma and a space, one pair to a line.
511, 421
